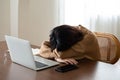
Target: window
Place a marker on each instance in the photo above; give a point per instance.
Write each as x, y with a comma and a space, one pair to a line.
97, 15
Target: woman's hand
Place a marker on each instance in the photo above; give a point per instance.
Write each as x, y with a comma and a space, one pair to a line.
67, 61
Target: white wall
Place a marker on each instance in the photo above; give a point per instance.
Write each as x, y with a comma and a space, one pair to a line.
4, 18
14, 17
34, 20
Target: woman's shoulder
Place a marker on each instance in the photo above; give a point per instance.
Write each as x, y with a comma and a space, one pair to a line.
82, 27
84, 30
88, 35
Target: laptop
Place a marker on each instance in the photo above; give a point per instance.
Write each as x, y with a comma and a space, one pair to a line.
21, 53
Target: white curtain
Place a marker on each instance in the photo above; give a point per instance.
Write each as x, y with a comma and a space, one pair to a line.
96, 15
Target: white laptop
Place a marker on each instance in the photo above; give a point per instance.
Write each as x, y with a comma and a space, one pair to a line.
21, 53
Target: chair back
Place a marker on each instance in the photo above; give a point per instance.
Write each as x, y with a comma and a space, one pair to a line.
109, 47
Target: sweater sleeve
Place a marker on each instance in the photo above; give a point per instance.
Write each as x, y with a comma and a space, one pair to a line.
45, 51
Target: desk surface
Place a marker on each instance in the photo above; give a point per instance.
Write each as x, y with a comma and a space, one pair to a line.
88, 70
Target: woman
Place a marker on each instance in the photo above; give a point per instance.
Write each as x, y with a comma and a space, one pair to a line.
67, 44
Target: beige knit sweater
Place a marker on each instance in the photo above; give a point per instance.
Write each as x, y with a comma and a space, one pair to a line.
87, 48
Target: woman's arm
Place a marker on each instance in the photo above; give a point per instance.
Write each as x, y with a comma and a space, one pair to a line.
45, 50
67, 60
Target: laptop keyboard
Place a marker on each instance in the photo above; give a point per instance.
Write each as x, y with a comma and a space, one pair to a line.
39, 64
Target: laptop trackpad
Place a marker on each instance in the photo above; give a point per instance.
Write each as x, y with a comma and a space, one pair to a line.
39, 64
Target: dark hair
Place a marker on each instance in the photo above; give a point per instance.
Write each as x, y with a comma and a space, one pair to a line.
64, 36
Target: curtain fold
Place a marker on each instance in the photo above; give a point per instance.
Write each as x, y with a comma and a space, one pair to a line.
96, 15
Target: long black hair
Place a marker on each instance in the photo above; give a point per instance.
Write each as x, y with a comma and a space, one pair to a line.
64, 36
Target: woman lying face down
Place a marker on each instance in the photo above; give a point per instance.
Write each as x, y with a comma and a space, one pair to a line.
67, 44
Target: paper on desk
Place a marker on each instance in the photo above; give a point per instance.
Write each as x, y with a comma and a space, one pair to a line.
35, 51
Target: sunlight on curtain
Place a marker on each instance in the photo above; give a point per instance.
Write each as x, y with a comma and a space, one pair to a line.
96, 15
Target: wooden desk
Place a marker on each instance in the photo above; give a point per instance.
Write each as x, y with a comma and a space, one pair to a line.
88, 70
